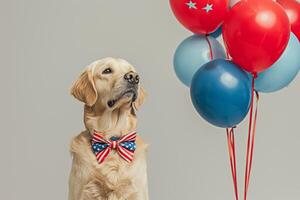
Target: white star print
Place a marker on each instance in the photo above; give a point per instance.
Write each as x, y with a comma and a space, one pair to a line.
191, 5
208, 7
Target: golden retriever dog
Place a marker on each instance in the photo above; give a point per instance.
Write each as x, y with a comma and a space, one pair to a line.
111, 92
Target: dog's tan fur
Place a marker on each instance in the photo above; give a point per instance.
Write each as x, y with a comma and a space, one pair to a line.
114, 179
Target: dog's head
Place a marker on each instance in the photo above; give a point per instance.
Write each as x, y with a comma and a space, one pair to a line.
109, 83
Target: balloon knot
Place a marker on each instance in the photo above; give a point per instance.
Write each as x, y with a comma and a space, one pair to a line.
254, 74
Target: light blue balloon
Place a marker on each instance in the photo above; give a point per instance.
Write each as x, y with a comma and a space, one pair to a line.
192, 53
283, 72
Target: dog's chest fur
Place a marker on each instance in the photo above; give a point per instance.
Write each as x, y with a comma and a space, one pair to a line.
114, 179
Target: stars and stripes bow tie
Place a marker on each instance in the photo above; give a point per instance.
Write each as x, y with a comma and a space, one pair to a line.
125, 146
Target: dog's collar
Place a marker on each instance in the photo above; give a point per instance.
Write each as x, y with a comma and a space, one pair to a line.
124, 145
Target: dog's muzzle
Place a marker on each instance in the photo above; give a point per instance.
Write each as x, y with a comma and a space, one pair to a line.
132, 78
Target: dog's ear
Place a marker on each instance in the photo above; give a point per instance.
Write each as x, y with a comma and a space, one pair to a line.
84, 88
140, 99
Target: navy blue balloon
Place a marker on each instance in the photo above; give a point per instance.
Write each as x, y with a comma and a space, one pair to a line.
221, 93
217, 33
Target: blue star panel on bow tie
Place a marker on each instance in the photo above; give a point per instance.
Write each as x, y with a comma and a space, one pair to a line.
97, 147
129, 145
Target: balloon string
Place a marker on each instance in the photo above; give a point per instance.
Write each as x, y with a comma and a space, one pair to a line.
232, 156
253, 141
234, 159
227, 54
210, 48
248, 143
251, 138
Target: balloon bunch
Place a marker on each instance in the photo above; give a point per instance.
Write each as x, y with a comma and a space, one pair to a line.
262, 55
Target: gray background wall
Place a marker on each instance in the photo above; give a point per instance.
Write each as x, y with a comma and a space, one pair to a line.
44, 47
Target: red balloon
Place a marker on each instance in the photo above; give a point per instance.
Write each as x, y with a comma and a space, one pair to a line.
256, 32
292, 8
200, 16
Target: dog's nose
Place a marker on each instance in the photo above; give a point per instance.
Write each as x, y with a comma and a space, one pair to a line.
132, 77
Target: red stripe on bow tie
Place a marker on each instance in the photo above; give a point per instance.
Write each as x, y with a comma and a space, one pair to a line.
122, 151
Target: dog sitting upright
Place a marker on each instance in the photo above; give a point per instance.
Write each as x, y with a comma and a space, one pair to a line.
109, 160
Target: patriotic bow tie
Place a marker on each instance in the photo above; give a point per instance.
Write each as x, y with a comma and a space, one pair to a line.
125, 146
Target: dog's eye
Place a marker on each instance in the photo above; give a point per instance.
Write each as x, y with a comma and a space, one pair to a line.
107, 71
